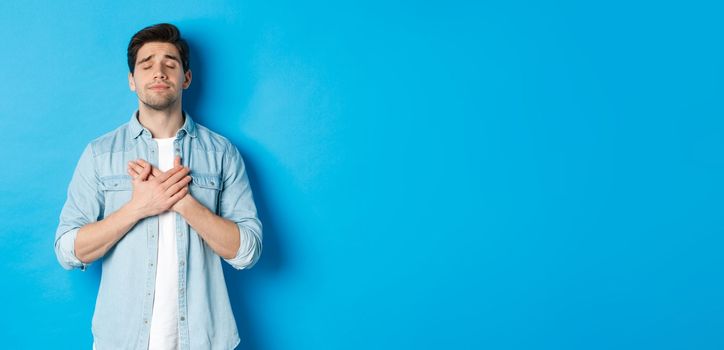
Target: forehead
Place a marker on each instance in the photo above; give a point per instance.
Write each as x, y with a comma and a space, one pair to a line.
157, 49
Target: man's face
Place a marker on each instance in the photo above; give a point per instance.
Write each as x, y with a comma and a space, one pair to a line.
159, 78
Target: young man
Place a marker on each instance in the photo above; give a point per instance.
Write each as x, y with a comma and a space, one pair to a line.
161, 227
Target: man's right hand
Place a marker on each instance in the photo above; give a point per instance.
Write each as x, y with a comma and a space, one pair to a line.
159, 193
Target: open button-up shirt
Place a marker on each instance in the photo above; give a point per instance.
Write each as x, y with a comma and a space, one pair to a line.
100, 186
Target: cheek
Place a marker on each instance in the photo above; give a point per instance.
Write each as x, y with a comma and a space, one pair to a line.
180, 80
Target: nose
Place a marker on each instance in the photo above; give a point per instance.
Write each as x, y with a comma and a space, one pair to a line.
159, 74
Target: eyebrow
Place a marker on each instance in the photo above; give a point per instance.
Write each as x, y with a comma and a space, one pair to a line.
166, 56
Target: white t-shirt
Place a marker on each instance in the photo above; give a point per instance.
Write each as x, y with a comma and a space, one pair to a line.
164, 320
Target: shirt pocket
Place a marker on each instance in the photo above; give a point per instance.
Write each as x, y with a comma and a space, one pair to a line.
117, 191
205, 188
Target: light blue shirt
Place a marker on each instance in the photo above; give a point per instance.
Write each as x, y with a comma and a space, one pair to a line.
100, 185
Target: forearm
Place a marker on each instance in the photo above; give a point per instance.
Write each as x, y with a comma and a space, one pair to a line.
221, 235
95, 239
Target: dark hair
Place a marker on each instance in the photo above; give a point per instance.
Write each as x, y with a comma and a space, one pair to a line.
162, 32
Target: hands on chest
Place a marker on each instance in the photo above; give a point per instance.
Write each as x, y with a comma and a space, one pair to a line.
156, 191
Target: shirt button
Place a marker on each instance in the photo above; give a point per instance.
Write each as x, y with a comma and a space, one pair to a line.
150, 264
145, 320
182, 318
181, 263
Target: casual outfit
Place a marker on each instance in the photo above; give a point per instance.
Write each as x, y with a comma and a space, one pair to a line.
162, 286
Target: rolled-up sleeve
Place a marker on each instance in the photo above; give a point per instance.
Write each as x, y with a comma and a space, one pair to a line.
83, 205
237, 204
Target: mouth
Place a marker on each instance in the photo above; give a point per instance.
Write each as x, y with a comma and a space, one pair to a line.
159, 87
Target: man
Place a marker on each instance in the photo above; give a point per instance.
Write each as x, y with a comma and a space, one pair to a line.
161, 227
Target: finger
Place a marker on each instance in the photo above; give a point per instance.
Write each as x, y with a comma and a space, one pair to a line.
176, 197
177, 161
178, 185
168, 173
134, 168
140, 162
132, 174
144, 173
175, 178
136, 175
155, 172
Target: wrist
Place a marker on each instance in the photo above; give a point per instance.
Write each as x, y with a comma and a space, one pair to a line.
132, 212
185, 205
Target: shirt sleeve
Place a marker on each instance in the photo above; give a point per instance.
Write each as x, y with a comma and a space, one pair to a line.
83, 205
237, 204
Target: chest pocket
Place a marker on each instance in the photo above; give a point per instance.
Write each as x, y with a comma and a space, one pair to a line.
117, 191
205, 188
116, 183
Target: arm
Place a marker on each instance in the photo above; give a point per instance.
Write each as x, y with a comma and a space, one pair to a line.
235, 234
150, 197
95, 239
220, 234
80, 238
237, 205
84, 205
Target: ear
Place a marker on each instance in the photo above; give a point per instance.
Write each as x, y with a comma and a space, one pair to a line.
187, 79
131, 82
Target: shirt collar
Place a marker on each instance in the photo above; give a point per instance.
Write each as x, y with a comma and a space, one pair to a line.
136, 128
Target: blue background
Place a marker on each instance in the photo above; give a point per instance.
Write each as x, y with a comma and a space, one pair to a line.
451, 175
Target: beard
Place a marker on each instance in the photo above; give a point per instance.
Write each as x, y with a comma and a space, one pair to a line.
157, 102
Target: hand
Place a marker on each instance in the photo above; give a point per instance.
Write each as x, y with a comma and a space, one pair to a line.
154, 191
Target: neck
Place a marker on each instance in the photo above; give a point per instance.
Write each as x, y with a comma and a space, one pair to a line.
161, 124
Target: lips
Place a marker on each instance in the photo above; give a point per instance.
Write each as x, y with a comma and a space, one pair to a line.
159, 87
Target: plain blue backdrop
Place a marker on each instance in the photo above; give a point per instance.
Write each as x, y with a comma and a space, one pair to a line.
430, 175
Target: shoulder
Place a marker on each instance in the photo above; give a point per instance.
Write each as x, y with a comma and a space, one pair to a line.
115, 140
211, 141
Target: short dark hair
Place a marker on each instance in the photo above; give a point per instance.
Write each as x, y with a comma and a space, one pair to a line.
162, 32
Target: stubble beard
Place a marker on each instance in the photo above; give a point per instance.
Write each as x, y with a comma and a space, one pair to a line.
158, 103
